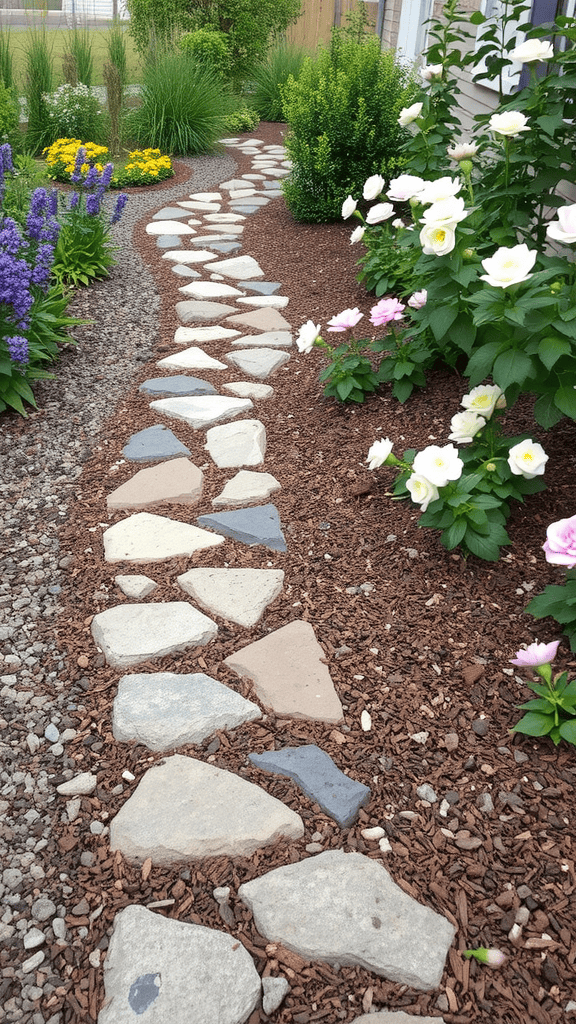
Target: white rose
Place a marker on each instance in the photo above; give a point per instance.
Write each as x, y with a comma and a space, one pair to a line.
373, 187
379, 452
409, 114
446, 212
533, 49
405, 187
465, 426
437, 239
510, 123
422, 491
484, 399
378, 213
509, 266
307, 336
357, 234
398, 223
348, 207
462, 151
527, 459
443, 188
438, 465
564, 229
419, 299
431, 71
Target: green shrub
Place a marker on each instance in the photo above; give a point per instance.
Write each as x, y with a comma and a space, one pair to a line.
73, 112
9, 115
283, 61
208, 46
343, 117
244, 119
184, 106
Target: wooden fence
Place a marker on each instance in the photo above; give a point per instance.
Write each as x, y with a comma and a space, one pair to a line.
320, 16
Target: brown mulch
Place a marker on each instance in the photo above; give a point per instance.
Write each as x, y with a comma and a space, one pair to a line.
426, 650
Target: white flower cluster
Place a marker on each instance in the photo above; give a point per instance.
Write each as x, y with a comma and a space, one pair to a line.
69, 103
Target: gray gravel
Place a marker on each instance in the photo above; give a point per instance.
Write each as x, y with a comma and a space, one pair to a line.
41, 461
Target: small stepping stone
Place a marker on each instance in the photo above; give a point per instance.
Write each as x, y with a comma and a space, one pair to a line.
274, 193
254, 200
238, 595
251, 177
164, 710
199, 206
178, 482
153, 444
203, 411
264, 287
145, 537
245, 488
260, 320
189, 256
169, 227
179, 385
209, 290
344, 908
206, 197
257, 525
246, 210
237, 444
184, 809
273, 186
268, 339
258, 362
288, 674
186, 335
167, 241
184, 271
233, 183
314, 771
241, 268
169, 213
135, 587
129, 634
242, 193
270, 301
223, 247
158, 969
223, 218
247, 389
191, 359
193, 309
231, 229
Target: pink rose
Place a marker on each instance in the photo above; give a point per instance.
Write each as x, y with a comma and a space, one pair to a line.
535, 655
560, 544
385, 311
345, 320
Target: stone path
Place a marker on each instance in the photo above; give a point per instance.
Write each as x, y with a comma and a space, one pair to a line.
336, 907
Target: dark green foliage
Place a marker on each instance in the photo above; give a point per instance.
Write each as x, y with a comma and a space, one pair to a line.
208, 46
39, 77
80, 46
282, 62
8, 115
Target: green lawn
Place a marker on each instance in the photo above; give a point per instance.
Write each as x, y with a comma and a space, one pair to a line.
57, 38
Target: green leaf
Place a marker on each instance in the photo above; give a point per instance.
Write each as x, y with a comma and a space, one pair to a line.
402, 390
454, 534
546, 412
550, 349
344, 388
511, 367
482, 547
536, 705
481, 362
441, 320
568, 731
535, 724
565, 399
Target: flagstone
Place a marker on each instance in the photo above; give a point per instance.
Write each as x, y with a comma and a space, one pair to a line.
254, 199
167, 241
129, 634
203, 411
231, 229
246, 207
270, 301
268, 339
251, 177
209, 290
242, 443
169, 227
258, 362
263, 287
260, 320
344, 908
195, 309
246, 487
233, 183
242, 193
206, 197
178, 482
242, 268
135, 587
259, 524
200, 206
191, 359
177, 385
223, 218
145, 537
153, 444
184, 271
189, 256
184, 809
249, 389
289, 673
184, 335
222, 247
164, 710
314, 771
169, 213
165, 970
238, 595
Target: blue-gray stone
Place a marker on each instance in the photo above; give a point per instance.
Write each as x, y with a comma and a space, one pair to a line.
263, 287
179, 385
154, 444
315, 772
171, 213
258, 525
185, 271
168, 241
51, 733
276, 184
246, 209
143, 992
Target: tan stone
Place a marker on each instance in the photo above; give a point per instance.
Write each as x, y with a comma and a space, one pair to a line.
177, 482
261, 320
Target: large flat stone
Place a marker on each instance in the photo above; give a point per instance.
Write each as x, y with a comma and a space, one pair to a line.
288, 673
193, 358
238, 595
132, 633
184, 809
206, 197
190, 310
242, 443
258, 362
257, 525
183, 270
254, 199
200, 206
344, 908
249, 389
209, 290
263, 301
153, 444
263, 287
246, 488
169, 227
315, 772
167, 241
178, 482
160, 970
268, 339
145, 537
170, 213
260, 319
164, 710
187, 335
179, 386
203, 411
223, 218
189, 256
241, 268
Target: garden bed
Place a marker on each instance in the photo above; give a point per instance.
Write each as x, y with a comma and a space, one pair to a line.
425, 648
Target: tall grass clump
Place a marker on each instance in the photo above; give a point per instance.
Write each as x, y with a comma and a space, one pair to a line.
116, 47
284, 60
343, 116
184, 106
114, 92
39, 79
6, 59
79, 44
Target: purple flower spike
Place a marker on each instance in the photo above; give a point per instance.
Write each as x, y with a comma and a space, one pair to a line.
120, 204
17, 349
535, 655
74, 200
6, 157
76, 175
106, 177
91, 179
53, 202
93, 205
